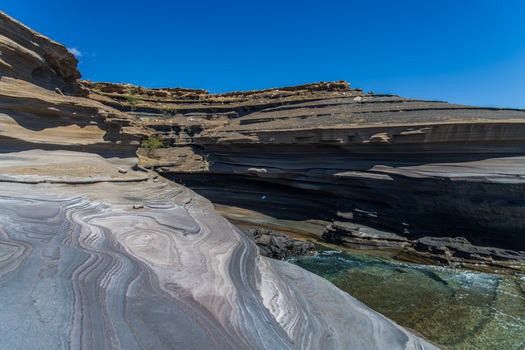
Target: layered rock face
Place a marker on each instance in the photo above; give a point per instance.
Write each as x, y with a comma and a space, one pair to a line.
38, 107
416, 168
98, 253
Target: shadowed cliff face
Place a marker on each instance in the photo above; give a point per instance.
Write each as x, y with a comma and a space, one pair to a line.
417, 168
97, 253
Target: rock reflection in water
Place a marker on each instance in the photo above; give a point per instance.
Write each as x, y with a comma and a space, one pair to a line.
456, 308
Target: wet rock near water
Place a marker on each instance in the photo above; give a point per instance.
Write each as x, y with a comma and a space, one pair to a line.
453, 251
458, 250
277, 245
350, 236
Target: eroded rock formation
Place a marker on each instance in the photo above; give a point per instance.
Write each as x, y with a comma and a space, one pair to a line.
98, 253
454, 251
350, 236
415, 168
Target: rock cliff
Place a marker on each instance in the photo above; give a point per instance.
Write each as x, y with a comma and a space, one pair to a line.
99, 253
415, 168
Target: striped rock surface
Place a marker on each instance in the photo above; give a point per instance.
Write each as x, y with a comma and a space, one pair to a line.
97, 253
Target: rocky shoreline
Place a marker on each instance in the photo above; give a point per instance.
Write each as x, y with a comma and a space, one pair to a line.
283, 203
450, 251
440, 251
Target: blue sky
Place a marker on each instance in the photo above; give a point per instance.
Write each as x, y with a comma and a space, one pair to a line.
462, 51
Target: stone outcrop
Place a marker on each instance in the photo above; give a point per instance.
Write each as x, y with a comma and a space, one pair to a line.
345, 234
458, 251
31, 57
454, 251
39, 108
412, 167
98, 253
277, 245
116, 94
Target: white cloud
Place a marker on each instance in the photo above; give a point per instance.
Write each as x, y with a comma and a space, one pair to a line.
74, 51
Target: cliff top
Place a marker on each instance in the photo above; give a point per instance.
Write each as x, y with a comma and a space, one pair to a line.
32, 57
113, 89
168, 99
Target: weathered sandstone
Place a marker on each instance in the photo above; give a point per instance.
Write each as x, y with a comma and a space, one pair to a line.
412, 167
98, 253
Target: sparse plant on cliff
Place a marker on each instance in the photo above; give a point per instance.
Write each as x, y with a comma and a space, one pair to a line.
206, 160
167, 110
133, 99
151, 145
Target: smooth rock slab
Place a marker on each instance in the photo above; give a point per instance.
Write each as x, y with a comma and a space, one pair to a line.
89, 271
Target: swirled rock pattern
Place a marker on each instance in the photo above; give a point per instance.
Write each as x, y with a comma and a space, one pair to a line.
83, 270
97, 253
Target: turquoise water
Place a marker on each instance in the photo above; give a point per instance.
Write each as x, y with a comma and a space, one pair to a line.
459, 309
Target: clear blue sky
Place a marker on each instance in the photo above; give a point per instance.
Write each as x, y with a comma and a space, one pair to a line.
461, 51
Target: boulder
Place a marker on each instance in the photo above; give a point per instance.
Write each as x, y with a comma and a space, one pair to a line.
277, 245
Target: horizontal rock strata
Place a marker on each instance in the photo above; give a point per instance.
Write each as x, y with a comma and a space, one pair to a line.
98, 253
413, 167
350, 236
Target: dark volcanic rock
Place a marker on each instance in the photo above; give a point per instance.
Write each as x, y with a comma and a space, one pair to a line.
277, 245
459, 249
345, 234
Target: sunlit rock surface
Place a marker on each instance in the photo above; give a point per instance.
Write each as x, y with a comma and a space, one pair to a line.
97, 253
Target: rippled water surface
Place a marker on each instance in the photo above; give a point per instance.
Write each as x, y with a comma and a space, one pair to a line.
456, 308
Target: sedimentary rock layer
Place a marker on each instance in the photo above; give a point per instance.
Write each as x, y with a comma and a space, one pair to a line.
415, 167
38, 103
97, 253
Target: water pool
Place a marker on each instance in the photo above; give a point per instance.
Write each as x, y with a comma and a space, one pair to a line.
459, 309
